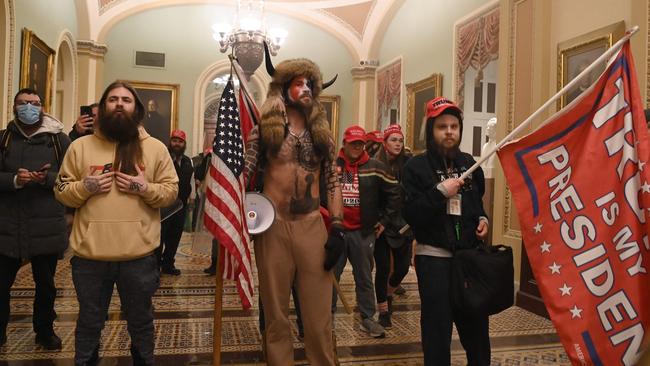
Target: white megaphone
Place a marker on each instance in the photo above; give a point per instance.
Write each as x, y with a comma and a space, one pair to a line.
259, 211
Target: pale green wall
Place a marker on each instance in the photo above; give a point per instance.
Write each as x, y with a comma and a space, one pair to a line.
422, 32
190, 49
47, 19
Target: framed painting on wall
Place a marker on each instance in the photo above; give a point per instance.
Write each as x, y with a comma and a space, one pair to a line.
389, 94
418, 94
161, 107
331, 104
36, 69
576, 54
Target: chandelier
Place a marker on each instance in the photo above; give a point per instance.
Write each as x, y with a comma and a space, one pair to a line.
247, 36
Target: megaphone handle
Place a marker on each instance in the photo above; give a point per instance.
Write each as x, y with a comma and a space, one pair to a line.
347, 307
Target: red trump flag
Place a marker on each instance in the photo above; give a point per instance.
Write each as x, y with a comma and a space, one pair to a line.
581, 184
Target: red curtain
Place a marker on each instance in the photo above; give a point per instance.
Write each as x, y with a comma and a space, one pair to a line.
477, 44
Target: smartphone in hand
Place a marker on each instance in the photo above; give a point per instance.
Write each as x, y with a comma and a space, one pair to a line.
85, 110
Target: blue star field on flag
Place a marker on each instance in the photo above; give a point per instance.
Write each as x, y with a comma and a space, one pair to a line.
228, 143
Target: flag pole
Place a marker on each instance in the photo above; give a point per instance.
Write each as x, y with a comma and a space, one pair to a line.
218, 306
615, 48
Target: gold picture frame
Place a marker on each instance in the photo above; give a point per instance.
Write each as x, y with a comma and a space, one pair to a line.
161, 107
575, 54
331, 104
36, 67
418, 94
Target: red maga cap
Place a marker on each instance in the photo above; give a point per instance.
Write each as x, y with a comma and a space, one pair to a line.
436, 106
179, 134
392, 129
354, 133
375, 136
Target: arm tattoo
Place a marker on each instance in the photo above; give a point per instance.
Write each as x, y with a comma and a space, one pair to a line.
252, 151
91, 184
331, 176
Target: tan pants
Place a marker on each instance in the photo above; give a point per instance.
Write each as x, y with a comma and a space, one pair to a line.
292, 252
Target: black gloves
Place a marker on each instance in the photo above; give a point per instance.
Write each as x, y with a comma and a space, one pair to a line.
334, 246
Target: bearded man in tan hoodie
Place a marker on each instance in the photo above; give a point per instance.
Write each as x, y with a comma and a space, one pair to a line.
117, 178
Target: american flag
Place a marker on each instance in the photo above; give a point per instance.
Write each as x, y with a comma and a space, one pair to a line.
224, 205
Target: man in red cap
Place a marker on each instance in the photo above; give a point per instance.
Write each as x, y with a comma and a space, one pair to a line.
172, 227
371, 201
446, 215
373, 142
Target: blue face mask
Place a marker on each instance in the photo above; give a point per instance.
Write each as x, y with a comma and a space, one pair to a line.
28, 114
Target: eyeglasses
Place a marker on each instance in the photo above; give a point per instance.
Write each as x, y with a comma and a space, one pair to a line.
35, 103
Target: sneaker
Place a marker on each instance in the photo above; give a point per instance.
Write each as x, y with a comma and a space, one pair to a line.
50, 342
400, 290
211, 271
372, 328
384, 320
171, 271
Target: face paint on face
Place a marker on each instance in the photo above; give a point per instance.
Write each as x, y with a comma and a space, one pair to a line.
299, 89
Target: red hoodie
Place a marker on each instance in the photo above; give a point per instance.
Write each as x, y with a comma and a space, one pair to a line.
349, 179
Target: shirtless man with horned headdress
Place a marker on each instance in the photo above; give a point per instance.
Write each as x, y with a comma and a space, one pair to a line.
294, 147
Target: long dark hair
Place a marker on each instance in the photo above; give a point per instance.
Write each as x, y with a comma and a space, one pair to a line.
129, 152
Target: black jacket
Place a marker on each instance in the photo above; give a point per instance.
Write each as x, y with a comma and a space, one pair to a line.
31, 220
425, 207
391, 232
184, 170
378, 193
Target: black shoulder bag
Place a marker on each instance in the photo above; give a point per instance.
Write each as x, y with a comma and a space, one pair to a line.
482, 279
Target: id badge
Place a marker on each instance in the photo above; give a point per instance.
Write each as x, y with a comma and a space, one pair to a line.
453, 205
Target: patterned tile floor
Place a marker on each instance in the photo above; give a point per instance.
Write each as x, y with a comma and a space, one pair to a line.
183, 311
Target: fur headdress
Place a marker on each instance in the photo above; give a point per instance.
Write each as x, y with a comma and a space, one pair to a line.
273, 122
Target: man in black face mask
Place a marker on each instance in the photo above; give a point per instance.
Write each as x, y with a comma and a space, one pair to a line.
172, 228
32, 226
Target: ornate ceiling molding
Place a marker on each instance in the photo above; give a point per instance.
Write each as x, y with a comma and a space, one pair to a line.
86, 47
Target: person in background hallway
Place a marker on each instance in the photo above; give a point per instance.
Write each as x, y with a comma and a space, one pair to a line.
371, 200
172, 228
84, 124
373, 142
200, 171
117, 179
446, 214
391, 241
32, 225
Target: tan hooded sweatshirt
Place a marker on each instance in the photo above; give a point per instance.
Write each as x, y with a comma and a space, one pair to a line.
115, 226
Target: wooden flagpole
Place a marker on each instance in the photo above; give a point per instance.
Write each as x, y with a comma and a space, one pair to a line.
218, 306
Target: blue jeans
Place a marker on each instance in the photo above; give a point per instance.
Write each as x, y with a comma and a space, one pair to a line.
438, 314
137, 280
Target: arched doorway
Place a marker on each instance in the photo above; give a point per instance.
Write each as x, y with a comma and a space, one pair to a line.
208, 92
66, 81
